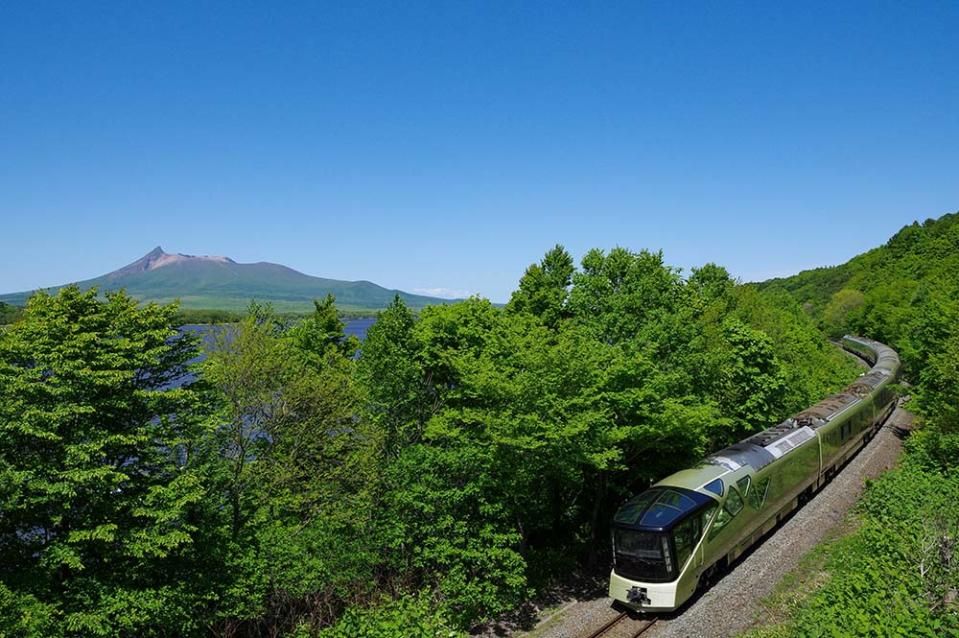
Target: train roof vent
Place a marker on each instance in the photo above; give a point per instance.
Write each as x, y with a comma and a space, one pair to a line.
824, 411
774, 433
740, 454
790, 442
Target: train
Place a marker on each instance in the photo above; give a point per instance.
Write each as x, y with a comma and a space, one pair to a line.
673, 538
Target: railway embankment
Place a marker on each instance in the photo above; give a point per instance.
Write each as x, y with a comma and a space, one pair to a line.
735, 603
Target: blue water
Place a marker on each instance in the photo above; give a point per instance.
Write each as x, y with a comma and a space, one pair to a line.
356, 327
208, 334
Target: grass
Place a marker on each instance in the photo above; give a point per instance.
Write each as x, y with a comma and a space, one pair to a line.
798, 585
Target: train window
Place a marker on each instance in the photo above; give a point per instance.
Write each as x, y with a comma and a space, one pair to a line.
734, 503
685, 536
743, 484
677, 500
722, 517
716, 487
631, 511
667, 508
757, 496
642, 555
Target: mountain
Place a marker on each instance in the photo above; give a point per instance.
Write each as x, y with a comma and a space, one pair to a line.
219, 283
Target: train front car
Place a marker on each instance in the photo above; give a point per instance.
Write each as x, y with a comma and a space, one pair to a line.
656, 538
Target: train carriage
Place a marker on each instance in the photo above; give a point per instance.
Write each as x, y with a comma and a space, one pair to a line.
668, 539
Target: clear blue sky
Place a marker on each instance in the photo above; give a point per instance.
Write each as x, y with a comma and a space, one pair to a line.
449, 145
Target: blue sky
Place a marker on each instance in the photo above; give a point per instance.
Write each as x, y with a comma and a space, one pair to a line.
448, 145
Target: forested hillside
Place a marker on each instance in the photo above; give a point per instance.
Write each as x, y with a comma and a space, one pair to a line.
901, 568
286, 486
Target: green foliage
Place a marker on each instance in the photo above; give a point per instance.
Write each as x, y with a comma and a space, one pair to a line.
544, 287
297, 485
398, 393
206, 316
906, 294
22, 614
938, 397
752, 381
898, 572
320, 335
809, 363
408, 616
449, 529
289, 469
838, 317
96, 480
8, 313
508, 436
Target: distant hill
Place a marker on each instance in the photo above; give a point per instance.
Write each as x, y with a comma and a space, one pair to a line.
219, 283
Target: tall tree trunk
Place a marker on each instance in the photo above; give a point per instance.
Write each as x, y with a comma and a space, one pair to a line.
595, 520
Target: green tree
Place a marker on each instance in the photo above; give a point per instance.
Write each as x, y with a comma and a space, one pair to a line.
838, 316
398, 393
322, 332
292, 470
99, 494
753, 384
938, 400
8, 313
711, 282
619, 293
544, 288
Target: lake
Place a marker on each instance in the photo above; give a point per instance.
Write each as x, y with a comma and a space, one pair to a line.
355, 327
207, 333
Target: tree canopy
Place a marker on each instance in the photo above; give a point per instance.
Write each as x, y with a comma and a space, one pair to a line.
298, 482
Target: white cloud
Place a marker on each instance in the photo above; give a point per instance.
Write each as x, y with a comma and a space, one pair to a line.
443, 293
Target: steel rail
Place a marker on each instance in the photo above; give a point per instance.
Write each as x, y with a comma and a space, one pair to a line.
616, 621
602, 630
642, 630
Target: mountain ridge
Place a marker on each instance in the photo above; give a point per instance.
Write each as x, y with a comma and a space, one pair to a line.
917, 264
213, 282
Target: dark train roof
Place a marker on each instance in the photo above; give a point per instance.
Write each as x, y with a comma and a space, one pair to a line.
658, 509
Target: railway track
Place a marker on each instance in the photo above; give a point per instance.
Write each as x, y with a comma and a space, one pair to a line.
621, 627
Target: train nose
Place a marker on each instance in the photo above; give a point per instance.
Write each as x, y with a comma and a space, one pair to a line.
637, 596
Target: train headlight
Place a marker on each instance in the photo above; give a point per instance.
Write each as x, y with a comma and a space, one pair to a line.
667, 558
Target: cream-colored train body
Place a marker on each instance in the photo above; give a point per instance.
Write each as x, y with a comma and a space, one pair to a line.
670, 538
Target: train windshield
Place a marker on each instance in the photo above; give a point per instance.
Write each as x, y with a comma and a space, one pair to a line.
644, 556
658, 556
655, 533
